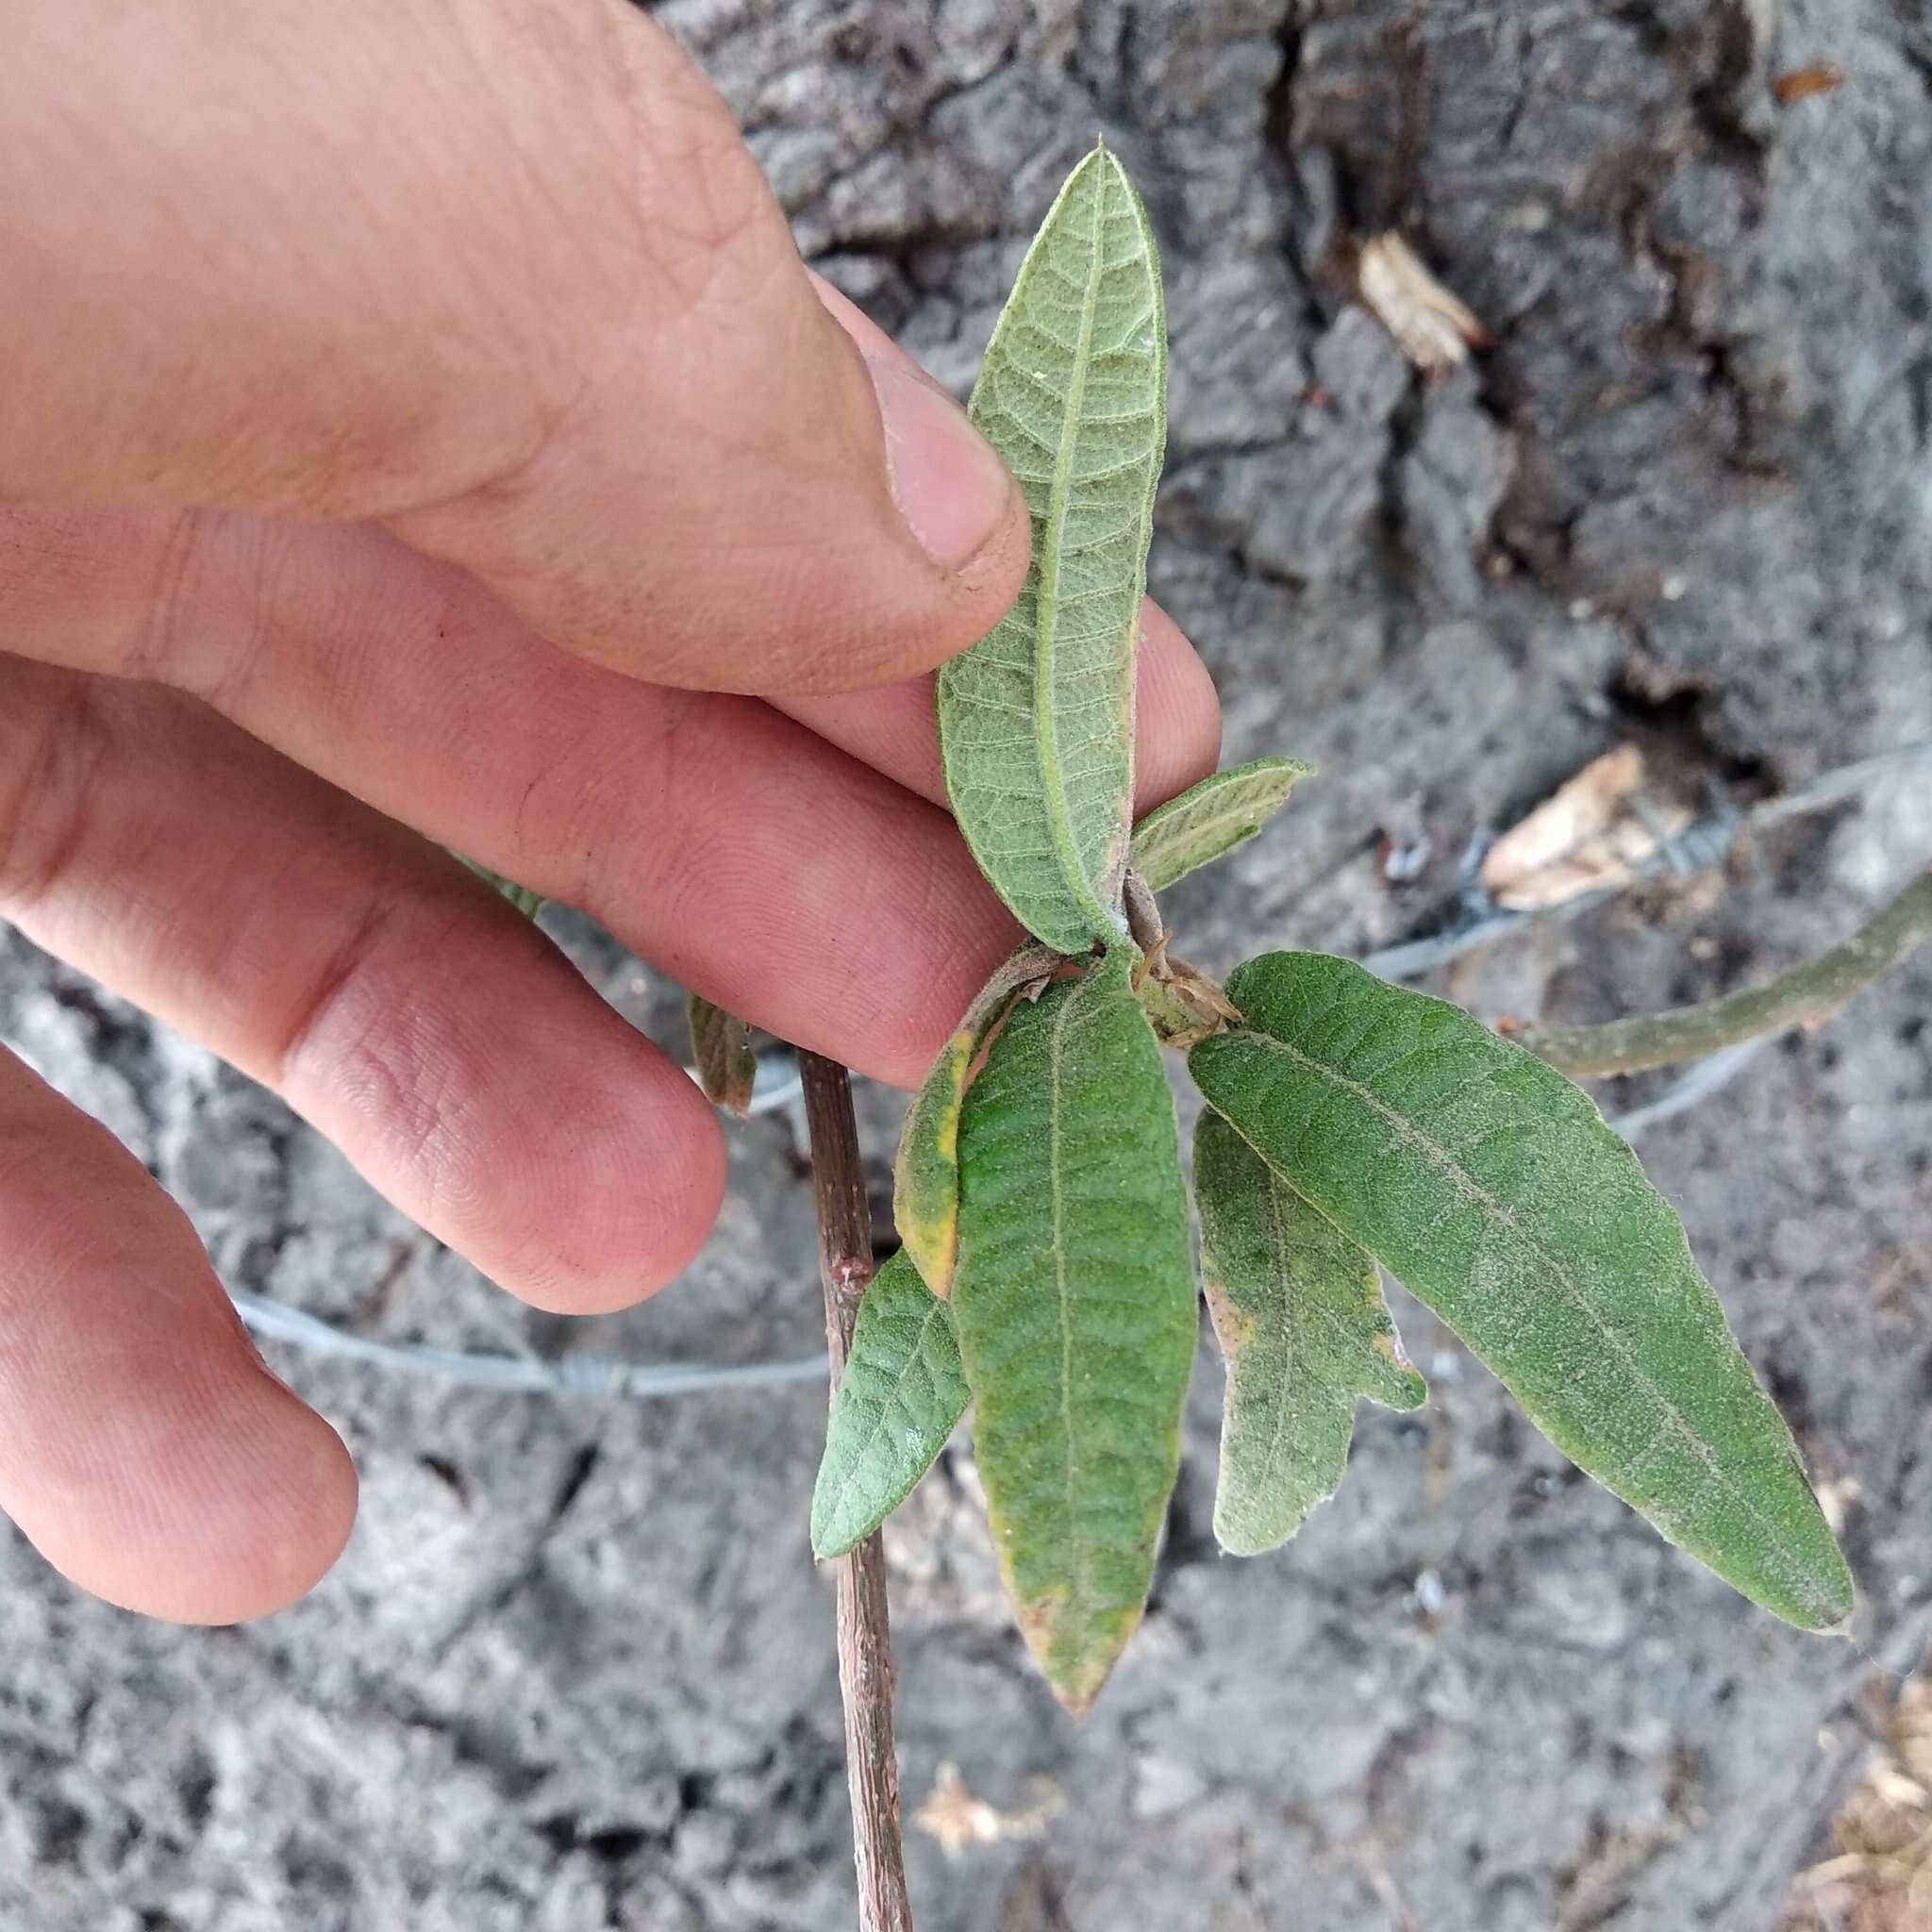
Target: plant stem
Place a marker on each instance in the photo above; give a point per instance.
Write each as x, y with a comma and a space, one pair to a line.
1810, 993
865, 1637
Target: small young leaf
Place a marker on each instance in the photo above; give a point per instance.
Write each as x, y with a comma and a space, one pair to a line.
1212, 819
901, 1397
526, 901
1298, 1310
720, 1046
1491, 1188
1036, 721
926, 1176
1075, 1304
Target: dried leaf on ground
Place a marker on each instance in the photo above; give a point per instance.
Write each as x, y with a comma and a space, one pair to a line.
1808, 83
956, 1818
1589, 836
1878, 1877
1435, 329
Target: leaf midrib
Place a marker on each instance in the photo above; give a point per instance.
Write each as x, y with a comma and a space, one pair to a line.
1054, 1137
1800, 1581
1046, 607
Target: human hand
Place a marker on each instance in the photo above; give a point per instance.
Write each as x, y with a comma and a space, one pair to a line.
415, 426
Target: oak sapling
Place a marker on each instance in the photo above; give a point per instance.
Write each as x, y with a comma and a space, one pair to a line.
1046, 1279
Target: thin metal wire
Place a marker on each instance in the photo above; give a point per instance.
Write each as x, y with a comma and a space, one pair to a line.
589, 1376
592, 1378
1705, 1077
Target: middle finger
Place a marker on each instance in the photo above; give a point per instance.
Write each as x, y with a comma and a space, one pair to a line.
727, 845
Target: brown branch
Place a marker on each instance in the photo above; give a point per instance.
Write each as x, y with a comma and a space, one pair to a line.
865, 1637
1809, 994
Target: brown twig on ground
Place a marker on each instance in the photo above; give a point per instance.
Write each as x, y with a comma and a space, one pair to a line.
1809, 994
865, 1637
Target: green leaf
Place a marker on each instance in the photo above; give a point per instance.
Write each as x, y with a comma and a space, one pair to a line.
1036, 721
721, 1045
901, 1397
1074, 1302
1491, 1188
1298, 1310
1212, 819
526, 901
926, 1176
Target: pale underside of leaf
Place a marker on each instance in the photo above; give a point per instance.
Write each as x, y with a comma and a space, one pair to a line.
1076, 1308
1036, 721
1491, 1188
1211, 818
925, 1175
1298, 1311
901, 1397
720, 1046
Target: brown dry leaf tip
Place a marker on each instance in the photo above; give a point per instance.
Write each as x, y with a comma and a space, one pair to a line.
1590, 835
1807, 83
1435, 329
956, 1818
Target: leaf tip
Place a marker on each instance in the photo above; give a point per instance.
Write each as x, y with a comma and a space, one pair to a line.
1236, 1538
1828, 1611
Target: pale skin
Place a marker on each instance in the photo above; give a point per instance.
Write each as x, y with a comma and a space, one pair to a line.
416, 428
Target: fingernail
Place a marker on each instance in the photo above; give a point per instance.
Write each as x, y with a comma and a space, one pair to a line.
950, 487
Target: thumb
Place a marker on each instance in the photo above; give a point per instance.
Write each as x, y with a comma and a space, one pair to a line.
755, 489
544, 321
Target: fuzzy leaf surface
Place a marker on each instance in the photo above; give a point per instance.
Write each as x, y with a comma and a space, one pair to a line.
925, 1175
1298, 1311
720, 1047
1036, 721
1211, 818
901, 1397
1491, 1186
1076, 1308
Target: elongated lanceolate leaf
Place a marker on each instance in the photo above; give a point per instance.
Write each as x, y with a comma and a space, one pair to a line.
902, 1395
1491, 1188
720, 1047
1075, 1304
1298, 1310
1213, 818
926, 1176
1036, 721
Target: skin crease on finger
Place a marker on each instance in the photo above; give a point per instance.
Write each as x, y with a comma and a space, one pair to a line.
148, 1454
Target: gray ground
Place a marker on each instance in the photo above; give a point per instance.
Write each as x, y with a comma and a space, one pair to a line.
576, 1669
